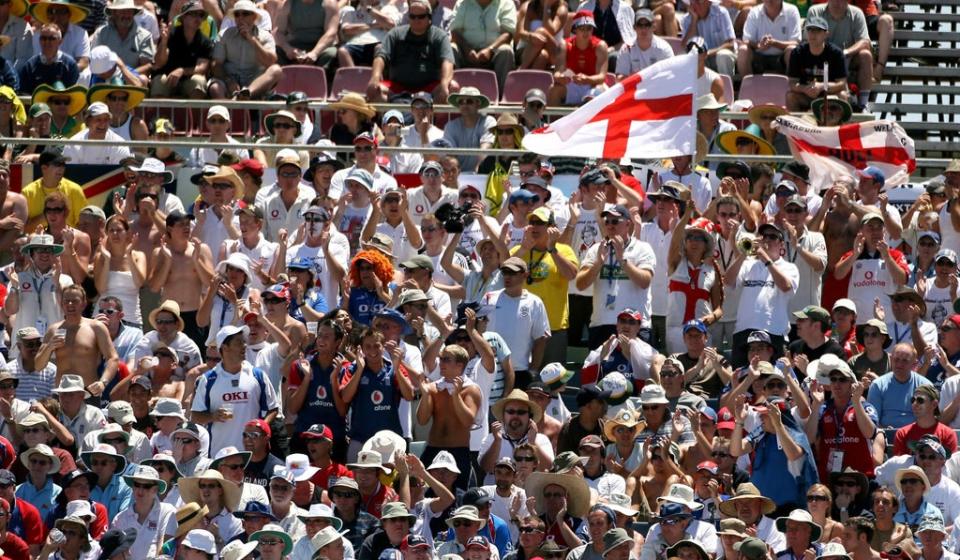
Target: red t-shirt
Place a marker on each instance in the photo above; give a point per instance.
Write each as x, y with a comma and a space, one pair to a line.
845, 438
909, 434
33, 529
336, 470
15, 548
99, 525
374, 504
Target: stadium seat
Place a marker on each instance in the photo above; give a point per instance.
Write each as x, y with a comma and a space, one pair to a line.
727, 89
521, 81
676, 43
311, 80
483, 80
765, 88
353, 79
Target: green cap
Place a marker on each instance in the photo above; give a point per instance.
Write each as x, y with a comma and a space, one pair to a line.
814, 312
614, 538
38, 109
752, 548
418, 261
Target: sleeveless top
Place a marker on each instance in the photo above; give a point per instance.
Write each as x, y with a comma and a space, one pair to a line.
950, 237
376, 405
582, 61
689, 295
120, 285
318, 406
124, 129
306, 28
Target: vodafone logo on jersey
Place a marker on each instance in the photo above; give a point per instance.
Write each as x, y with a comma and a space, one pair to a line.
376, 397
321, 392
236, 396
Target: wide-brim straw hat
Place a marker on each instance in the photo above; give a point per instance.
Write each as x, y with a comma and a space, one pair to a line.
469, 92
169, 306
801, 516
757, 111
517, 395
76, 93
915, 471
747, 491
230, 175
19, 8
354, 102
40, 11
44, 450
189, 517
100, 92
245, 6
728, 142
270, 119
190, 489
578, 493
505, 120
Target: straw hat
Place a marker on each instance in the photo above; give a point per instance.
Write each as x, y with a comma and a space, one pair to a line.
236, 550
79, 523
470, 513
189, 516
43, 449
747, 491
270, 119
76, 93
728, 142
578, 494
40, 11
100, 92
758, 111
517, 395
228, 174
353, 102
190, 489
505, 120
625, 417
19, 8
169, 306
912, 470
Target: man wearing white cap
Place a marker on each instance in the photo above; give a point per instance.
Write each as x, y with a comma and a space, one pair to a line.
218, 125
98, 128
233, 392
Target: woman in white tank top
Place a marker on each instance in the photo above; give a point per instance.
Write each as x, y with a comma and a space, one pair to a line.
119, 270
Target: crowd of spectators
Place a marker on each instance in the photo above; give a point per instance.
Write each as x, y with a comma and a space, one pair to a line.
313, 360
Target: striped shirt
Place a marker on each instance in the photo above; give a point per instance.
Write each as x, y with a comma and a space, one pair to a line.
33, 385
716, 29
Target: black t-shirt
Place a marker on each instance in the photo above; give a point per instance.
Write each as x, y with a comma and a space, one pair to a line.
808, 67
414, 60
183, 55
831, 346
709, 385
259, 472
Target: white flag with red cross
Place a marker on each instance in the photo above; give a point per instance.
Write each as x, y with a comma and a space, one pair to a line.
831, 151
648, 115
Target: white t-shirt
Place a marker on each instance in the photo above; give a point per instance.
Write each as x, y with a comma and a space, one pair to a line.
96, 155
946, 496
213, 232
381, 181
585, 234
786, 26
613, 290
701, 192
264, 252
420, 206
500, 506
276, 215
659, 240
402, 249
160, 524
339, 249
240, 390
763, 306
633, 59
188, 353
519, 320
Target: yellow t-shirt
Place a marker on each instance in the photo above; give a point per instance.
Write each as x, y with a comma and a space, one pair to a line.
36, 195
547, 283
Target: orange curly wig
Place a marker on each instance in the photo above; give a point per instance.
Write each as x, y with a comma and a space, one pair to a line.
381, 267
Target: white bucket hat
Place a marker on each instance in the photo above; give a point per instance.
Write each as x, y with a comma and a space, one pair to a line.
444, 460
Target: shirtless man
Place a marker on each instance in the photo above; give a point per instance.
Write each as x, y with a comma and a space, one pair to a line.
839, 224
665, 472
180, 265
276, 302
452, 403
86, 344
76, 244
13, 210
548, 425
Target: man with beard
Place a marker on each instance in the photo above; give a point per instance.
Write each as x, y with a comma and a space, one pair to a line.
517, 417
507, 500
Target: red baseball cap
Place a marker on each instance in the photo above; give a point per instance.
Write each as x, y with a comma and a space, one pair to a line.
708, 466
725, 420
251, 166
318, 431
262, 424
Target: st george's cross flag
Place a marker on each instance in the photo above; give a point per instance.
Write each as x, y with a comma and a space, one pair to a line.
831, 151
648, 115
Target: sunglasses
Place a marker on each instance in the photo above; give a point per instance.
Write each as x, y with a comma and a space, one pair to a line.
270, 542
252, 435
839, 379
612, 221
232, 466
142, 196
467, 101
776, 385
670, 521
166, 321
817, 498
919, 400
285, 125
314, 220
525, 459
851, 483
505, 131
418, 16
144, 485
906, 481
117, 98
644, 24
463, 523
221, 186
795, 210
290, 174
185, 441
55, 210
528, 530
517, 411
58, 101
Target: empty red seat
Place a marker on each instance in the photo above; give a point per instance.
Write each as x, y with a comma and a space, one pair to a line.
765, 88
353, 79
311, 80
483, 80
519, 82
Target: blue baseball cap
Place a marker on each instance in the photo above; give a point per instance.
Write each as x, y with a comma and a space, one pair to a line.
523, 195
873, 173
299, 263
694, 324
255, 508
931, 234
709, 412
397, 317
672, 509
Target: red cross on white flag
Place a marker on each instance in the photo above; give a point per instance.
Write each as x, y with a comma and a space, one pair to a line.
648, 115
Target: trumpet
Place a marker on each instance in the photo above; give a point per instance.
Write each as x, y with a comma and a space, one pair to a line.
747, 244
